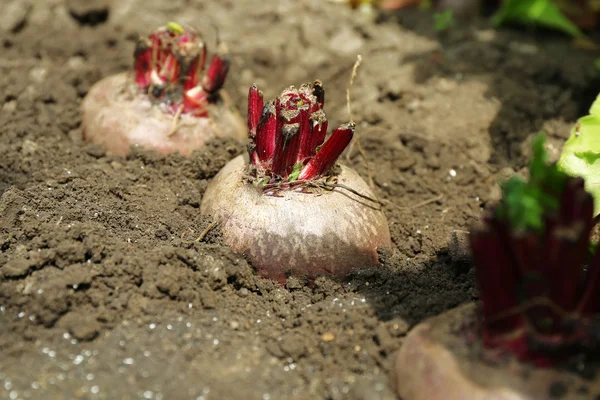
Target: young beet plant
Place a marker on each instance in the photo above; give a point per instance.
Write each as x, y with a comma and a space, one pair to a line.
169, 103
290, 210
540, 293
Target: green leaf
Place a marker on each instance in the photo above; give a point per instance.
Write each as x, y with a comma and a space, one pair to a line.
535, 12
525, 203
295, 173
581, 153
443, 20
176, 28
595, 108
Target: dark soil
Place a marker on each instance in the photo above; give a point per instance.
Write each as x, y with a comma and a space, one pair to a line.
102, 295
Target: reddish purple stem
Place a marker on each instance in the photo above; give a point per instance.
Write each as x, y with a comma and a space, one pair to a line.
329, 152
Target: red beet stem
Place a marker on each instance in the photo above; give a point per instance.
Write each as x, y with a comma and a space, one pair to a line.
526, 253
305, 151
169, 64
217, 70
255, 107
195, 101
143, 63
576, 216
567, 272
590, 299
498, 279
329, 152
193, 74
286, 138
290, 136
266, 132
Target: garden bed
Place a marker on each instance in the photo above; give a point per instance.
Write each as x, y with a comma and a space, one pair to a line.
102, 294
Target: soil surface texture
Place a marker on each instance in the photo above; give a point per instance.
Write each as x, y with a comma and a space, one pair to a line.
105, 295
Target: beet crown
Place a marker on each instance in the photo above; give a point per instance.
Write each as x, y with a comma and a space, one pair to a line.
539, 297
287, 135
169, 64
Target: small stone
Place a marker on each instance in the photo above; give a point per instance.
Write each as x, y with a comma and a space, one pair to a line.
328, 337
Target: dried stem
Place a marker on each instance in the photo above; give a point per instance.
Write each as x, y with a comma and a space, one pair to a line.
202, 234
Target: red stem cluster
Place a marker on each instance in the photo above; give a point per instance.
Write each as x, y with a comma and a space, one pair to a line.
169, 65
288, 134
539, 298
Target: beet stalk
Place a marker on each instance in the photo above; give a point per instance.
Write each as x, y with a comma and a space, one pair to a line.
168, 103
291, 210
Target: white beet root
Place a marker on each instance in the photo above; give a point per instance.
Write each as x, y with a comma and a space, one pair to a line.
300, 234
117, 115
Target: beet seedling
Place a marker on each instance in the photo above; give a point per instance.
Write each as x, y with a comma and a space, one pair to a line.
288, 208
540, 294
540, 301
172, 102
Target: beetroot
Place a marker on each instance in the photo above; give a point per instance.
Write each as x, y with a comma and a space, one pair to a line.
290, 210
539, 288
167, 104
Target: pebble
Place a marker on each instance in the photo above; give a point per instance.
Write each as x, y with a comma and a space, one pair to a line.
328, 337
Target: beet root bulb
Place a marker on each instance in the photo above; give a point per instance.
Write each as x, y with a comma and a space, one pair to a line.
168, 103
290, 210
296, 232
116, 116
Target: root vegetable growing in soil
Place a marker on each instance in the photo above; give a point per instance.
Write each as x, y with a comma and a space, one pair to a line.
167, 104
540, 291
290, 209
